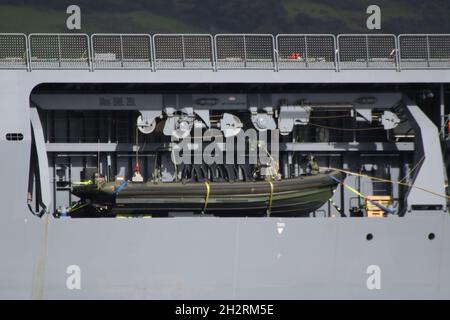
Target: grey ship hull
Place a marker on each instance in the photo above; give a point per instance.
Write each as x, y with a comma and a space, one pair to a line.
208, 258
215, 258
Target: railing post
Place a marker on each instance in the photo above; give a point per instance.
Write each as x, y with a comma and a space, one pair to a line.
121, 50
336, 53
397, 53
28, 52
275, 53
59, 49
367, 52
153, 52
183, 52
213, 53
89, 49
245, 52
306, 52
93, 52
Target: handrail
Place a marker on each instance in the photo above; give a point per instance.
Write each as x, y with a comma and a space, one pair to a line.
224, 51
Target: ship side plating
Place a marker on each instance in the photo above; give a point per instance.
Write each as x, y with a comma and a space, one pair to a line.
378, 114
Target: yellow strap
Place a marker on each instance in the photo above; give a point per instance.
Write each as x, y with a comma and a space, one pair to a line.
269, 209
76, 207
390, 181
83, 183
208, 191
355, 191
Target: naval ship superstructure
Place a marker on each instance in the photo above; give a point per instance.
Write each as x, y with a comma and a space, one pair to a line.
105, 108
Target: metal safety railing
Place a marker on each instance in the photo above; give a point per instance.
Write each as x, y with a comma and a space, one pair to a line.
183, 51
357, 51
424, 51
224, 51
59, 51
245, 51
302, 51
13, 51
121, 51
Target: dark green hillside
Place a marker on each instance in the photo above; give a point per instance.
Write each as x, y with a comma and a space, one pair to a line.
214, 16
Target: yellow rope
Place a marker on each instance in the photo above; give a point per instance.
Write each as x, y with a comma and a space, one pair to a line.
421, 159
390, 181
208, 191
366, 198
76, 207
269, 209
83, 183
413, 169
345, 129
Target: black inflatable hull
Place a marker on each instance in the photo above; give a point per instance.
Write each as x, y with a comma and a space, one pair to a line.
290, 197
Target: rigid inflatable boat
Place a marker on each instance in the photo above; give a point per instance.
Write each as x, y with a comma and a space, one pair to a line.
289, 197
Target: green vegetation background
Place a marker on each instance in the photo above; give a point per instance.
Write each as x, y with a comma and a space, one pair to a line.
217, 16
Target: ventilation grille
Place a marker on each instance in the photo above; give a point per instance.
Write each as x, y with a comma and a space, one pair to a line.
14, 136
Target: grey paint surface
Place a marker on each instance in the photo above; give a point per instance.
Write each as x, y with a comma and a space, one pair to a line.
431, 174
232, 76
207, 257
